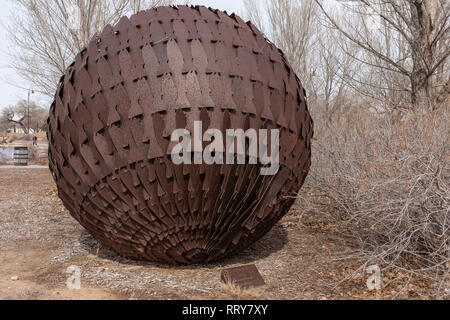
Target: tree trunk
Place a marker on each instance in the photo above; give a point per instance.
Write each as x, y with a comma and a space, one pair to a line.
420, 89
422, 53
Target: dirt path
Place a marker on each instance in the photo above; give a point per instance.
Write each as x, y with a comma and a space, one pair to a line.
39, 241
25, 273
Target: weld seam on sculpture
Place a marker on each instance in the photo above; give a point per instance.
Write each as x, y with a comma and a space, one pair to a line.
110, 123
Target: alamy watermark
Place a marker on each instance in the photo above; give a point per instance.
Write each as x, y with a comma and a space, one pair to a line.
374, 280
190, 149
73, 281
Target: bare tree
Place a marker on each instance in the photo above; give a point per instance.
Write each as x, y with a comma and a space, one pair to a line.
407, 48
291, 26
47, 34
255, 13
332, 69
312, 49
18, 116
10, 118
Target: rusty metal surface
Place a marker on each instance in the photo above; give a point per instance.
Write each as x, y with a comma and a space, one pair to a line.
117, 104
243, 276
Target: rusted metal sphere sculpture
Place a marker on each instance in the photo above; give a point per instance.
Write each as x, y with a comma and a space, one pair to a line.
117, 106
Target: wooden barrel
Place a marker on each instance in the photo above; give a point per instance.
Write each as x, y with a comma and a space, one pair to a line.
20, 156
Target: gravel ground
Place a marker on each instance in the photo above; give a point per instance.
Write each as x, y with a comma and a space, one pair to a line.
299, 258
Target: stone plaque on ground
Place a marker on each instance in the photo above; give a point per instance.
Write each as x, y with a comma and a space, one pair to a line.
244, 276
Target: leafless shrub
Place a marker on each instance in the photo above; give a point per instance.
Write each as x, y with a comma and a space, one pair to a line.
385, 178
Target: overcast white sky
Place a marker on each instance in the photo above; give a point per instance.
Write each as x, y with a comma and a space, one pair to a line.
10, 94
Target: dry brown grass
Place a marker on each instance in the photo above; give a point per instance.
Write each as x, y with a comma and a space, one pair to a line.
231, 291
387, 182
